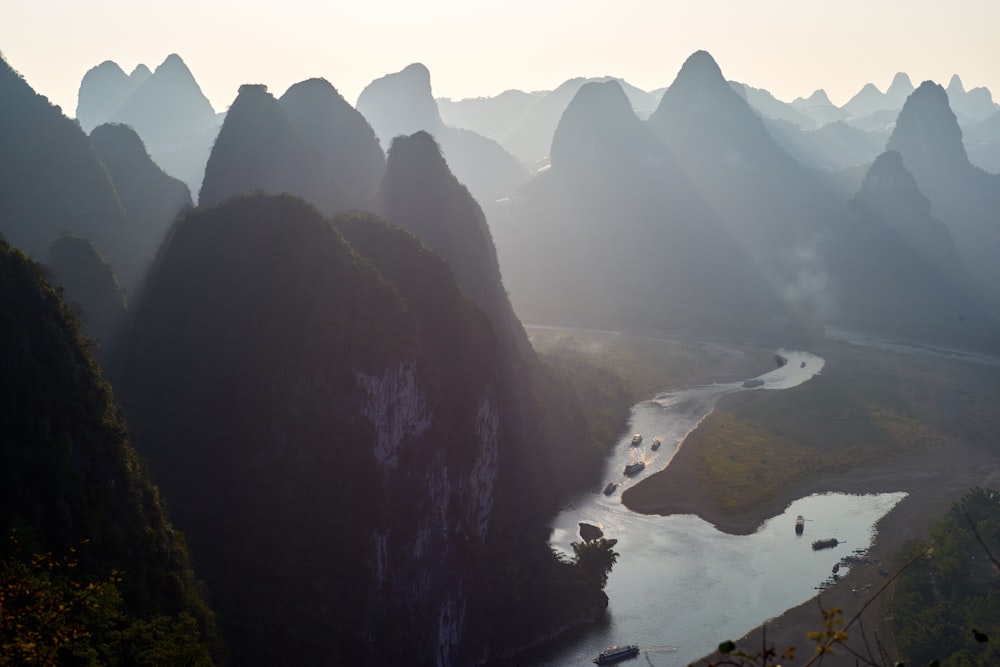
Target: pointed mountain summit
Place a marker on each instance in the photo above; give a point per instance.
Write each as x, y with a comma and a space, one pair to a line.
897, 268
704, 120
867, 100
420, 194
888, 183
970, 106
400, 103
140, 73
168, 104
897, 92
818, 97
768, 106
339, 136
600, 124
103, 90
819, 107
53, 180
964, 197
927, 133
152, 199
258, 148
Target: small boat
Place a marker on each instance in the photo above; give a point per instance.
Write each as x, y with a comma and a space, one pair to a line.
633, 468
614, 654
636, 439
755, 382
800, 524
656, 444
802, 365
836, 568
825, 544
610, 488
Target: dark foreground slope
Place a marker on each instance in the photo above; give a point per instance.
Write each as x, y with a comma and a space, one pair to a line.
325, 419
69, 479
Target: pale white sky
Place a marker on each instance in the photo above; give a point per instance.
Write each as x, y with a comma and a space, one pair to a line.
483, 48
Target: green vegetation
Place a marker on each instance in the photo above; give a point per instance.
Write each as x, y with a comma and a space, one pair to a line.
947, 605
645, 365
69, 477
865, 408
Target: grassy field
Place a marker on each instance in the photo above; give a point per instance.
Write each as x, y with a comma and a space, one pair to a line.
649, 365
867, 407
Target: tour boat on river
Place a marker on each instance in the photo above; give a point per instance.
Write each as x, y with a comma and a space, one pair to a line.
614, 654
636, 439
633, 468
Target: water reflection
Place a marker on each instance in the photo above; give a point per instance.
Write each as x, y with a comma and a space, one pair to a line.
681, 586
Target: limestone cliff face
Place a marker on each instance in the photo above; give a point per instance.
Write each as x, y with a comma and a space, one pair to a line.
318, 400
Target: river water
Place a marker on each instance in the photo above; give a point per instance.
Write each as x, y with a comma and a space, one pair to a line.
680, 586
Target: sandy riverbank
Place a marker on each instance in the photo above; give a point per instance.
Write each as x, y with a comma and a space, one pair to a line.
933, 480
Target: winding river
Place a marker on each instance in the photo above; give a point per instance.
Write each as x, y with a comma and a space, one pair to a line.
680, 586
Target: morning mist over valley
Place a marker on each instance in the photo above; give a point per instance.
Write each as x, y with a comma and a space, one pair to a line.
499, 334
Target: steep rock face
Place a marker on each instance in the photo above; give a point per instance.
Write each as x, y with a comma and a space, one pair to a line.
965, 198
51, 180
341, 138
103, 90
768, 203
616, 232
899, 271
167, 104
897, 92
89, 282
819, 107
973, 105
152, 199
166, 108
70, 480
344, 415
867, 100
258, 148
770, 107
401, 104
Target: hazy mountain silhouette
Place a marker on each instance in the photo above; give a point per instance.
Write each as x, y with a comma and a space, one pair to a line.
489, 116
835, 145
103, 91
767, 201
167, 104
867, 100
258, 148
151, 198
819, 107
70, 480
982, 143
340, 138
899, 89
964, 197
897, 269
973, 105
420, 194
770, 107
53, 181
401, 104
616, 232
89, 282
166, 108
530, 137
